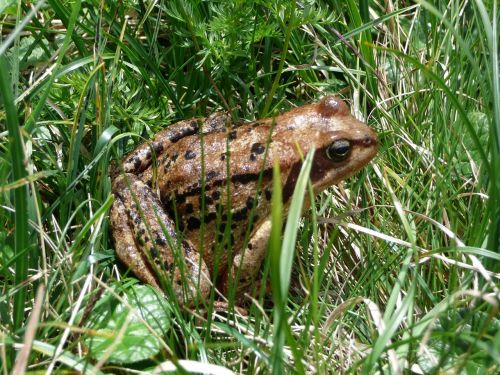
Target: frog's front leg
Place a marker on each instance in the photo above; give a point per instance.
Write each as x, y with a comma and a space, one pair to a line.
247, 263
141, 158
146, 241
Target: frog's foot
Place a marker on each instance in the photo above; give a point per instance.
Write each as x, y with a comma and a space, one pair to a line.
147, 242
223, 306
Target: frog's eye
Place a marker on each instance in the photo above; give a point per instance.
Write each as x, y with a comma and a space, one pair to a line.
339, 150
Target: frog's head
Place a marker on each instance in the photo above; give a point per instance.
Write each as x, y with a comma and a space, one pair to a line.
343, 144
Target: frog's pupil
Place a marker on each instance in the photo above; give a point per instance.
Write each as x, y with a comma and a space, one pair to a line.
339, 150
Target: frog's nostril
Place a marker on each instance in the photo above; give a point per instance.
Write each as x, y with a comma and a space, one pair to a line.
369, 141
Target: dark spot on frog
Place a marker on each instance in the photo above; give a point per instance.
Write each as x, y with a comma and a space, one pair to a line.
216, 195
166, 166
240, 214
160, 241
169, 267
210, 175
189, 208
181, 198
182, 226
222, 226
194, 124
250, 202
189, 155
210, 217
223, 156
148, 155
245, 178
169, 209
142, 239
193, 223
174, 157
232, 135
187, 247
250, 246
208, 201
158, 147
137, 220
139, 240
268, 194
175, 136
258, 148
137, 162
154, 254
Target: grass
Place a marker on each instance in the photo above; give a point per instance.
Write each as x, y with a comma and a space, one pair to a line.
395, 270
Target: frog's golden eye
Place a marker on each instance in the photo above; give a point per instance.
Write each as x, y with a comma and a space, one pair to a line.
339, 150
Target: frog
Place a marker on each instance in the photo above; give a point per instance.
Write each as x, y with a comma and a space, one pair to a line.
192, 206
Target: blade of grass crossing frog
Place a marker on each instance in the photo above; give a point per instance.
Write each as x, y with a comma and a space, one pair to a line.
292, 225
275, 255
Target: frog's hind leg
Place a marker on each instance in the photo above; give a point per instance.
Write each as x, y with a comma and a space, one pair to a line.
146, 241
141, 158
126, 248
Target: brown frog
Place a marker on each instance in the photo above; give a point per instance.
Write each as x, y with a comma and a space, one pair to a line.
214, 180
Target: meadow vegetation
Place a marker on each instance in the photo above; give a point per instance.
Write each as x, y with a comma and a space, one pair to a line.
394, 271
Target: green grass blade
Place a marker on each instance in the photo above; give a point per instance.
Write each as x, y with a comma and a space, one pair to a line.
289, 23
21, 234
491, 31
68, 18
275, 256
69, 359
292, 225
282, 256
75, 10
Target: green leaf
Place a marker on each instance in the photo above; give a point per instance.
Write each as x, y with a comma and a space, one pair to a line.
129, 329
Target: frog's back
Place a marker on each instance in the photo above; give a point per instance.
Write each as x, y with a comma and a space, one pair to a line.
217, 202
